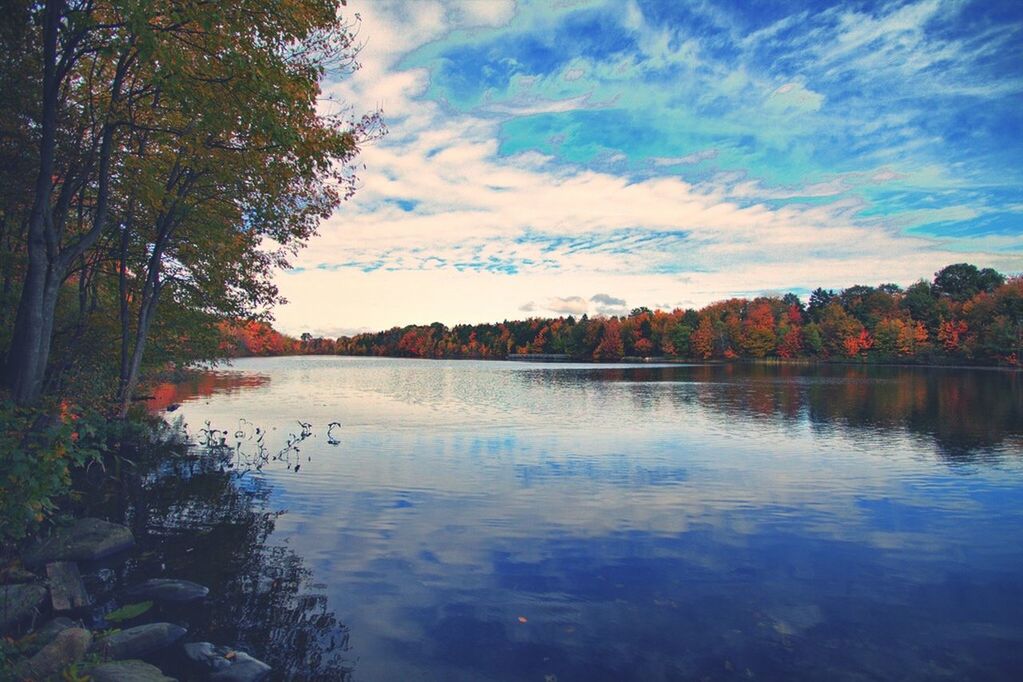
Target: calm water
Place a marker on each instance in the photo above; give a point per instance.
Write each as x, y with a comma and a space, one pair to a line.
508, 521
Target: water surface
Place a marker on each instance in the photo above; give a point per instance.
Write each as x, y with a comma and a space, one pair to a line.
510, 521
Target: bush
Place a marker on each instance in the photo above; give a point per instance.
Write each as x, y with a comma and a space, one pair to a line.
39, 448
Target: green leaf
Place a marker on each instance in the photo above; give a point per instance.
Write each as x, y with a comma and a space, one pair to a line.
128, 611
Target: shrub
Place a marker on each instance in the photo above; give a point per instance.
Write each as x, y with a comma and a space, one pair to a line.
38, 450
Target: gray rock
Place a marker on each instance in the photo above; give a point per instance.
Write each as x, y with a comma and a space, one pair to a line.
225, 664
67, 591
167, 589
18, 602
45, 634
244, 668
87, 539
207, 657
140, 640
128, 671
67, 647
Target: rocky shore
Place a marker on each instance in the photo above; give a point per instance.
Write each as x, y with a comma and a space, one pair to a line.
48, 596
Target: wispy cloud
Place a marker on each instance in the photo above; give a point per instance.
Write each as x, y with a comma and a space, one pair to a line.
661, 159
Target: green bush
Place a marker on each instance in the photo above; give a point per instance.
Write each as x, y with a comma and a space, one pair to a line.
39, 448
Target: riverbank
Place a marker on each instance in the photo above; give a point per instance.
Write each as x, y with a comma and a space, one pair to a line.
155, 572
953, 363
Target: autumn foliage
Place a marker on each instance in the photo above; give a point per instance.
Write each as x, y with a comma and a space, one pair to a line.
926, 322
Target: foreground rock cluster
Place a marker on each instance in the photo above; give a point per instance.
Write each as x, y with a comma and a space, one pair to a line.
56, 647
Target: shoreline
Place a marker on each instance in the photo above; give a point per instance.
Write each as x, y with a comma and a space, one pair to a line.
633, 360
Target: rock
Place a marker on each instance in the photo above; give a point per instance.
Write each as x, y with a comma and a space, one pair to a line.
167, 589
87, 539
18, 602
244, 668
17, 574
128, 671
225, 664
140, 640
46, 634
67, 647
207, 657
67, 591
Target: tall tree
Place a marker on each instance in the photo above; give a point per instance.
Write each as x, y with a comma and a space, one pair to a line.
963, 280
171, 125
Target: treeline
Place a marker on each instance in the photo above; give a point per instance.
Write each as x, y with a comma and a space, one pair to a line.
964, 314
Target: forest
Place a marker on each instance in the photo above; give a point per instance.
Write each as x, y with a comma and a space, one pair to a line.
964, 314
159, 163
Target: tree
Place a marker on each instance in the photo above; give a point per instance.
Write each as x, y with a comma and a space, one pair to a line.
962, 281
188, 133
819, 298
758, 337
922, 304
791, 344
842, 334
611, 346
952, 335
702, 340
86, 54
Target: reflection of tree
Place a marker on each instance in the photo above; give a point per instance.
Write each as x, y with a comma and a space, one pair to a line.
966, 412
203, 384
195, 520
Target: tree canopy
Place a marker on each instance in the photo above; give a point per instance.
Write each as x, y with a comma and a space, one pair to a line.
160, 156
923, 323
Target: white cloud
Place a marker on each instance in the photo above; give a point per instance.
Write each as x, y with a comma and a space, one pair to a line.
574, 74
687, 160
528, 106
607, 299
794, 96
570, 305
478, 216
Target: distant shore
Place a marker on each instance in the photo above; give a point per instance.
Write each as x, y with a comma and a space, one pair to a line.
663, 360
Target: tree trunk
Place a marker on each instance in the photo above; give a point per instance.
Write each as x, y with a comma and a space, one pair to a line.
150, 295
131, 379
29, 351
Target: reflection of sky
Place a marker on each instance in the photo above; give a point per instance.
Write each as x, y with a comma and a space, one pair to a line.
621, 512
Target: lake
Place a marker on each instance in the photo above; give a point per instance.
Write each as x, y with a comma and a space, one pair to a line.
558, 522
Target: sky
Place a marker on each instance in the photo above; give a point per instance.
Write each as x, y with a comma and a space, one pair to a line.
553, 158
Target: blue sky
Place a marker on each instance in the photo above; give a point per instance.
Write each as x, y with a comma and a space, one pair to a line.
546, 157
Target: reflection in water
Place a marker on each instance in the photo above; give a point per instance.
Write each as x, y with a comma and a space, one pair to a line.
966, 412
196, 521
504, 521
203, 385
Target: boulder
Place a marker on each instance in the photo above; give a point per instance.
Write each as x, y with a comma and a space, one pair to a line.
128, 671
207, 657
86, 539
225, 664
167, 589
18, 602
68, 646
67, 591
141, 640
244, 668
45, 634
